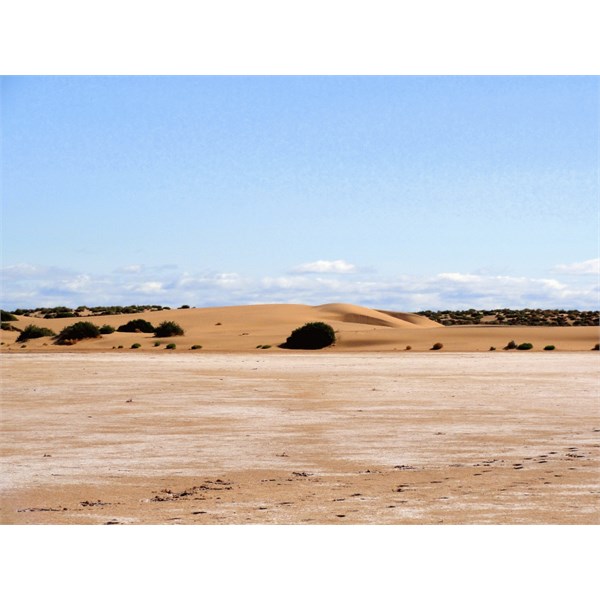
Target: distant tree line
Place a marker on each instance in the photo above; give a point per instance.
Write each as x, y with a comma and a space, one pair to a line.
507, 316
61, 312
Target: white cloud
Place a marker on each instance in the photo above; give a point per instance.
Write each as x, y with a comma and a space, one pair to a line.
130, 269
587, 267
459, 277
449, 290
325, 266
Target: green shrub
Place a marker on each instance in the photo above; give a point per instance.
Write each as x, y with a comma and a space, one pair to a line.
311, 336
6, 316
511, 345
33, 331
437, 346
107, 329
157, 344
525, 346
137, 325
196, 347
78, 331
168, 329
171, 346
549, 347
136, 345
8, 327
119, 347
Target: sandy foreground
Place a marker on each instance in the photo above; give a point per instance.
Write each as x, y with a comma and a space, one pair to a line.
300, 438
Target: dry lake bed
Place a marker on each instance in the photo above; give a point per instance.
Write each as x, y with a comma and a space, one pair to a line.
301, 438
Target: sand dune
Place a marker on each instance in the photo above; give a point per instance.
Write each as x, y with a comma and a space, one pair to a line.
243, 328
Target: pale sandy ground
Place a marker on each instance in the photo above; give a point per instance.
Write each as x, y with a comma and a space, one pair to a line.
243, 328
300, 438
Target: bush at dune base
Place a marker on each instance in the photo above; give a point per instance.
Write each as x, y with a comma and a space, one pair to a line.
311, 336
33, 331
525, 346
137, 325
78, 331
168, 329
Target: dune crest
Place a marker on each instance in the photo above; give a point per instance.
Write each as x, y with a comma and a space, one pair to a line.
352, 313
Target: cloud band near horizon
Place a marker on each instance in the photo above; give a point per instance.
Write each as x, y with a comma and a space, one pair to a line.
575, 286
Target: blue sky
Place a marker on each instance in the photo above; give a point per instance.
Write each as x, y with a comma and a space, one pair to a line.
405, 193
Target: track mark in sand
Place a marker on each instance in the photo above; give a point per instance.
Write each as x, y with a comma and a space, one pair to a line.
43, 509
208, 486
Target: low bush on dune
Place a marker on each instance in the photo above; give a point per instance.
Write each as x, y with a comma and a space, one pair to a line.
525, 346
196, 347
437, 346
492, 348
81, 330
170, 346
511, 345
549, 347
596, 347
168, 329
33, 331
107, 329
6, 316
137, 325
311, 336
8, 327
136, 345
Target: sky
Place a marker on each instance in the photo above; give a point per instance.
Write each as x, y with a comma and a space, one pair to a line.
395, 192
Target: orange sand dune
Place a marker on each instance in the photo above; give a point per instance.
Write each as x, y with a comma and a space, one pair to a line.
243, 328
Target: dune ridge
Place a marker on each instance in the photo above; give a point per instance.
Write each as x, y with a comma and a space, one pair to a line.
243, 328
